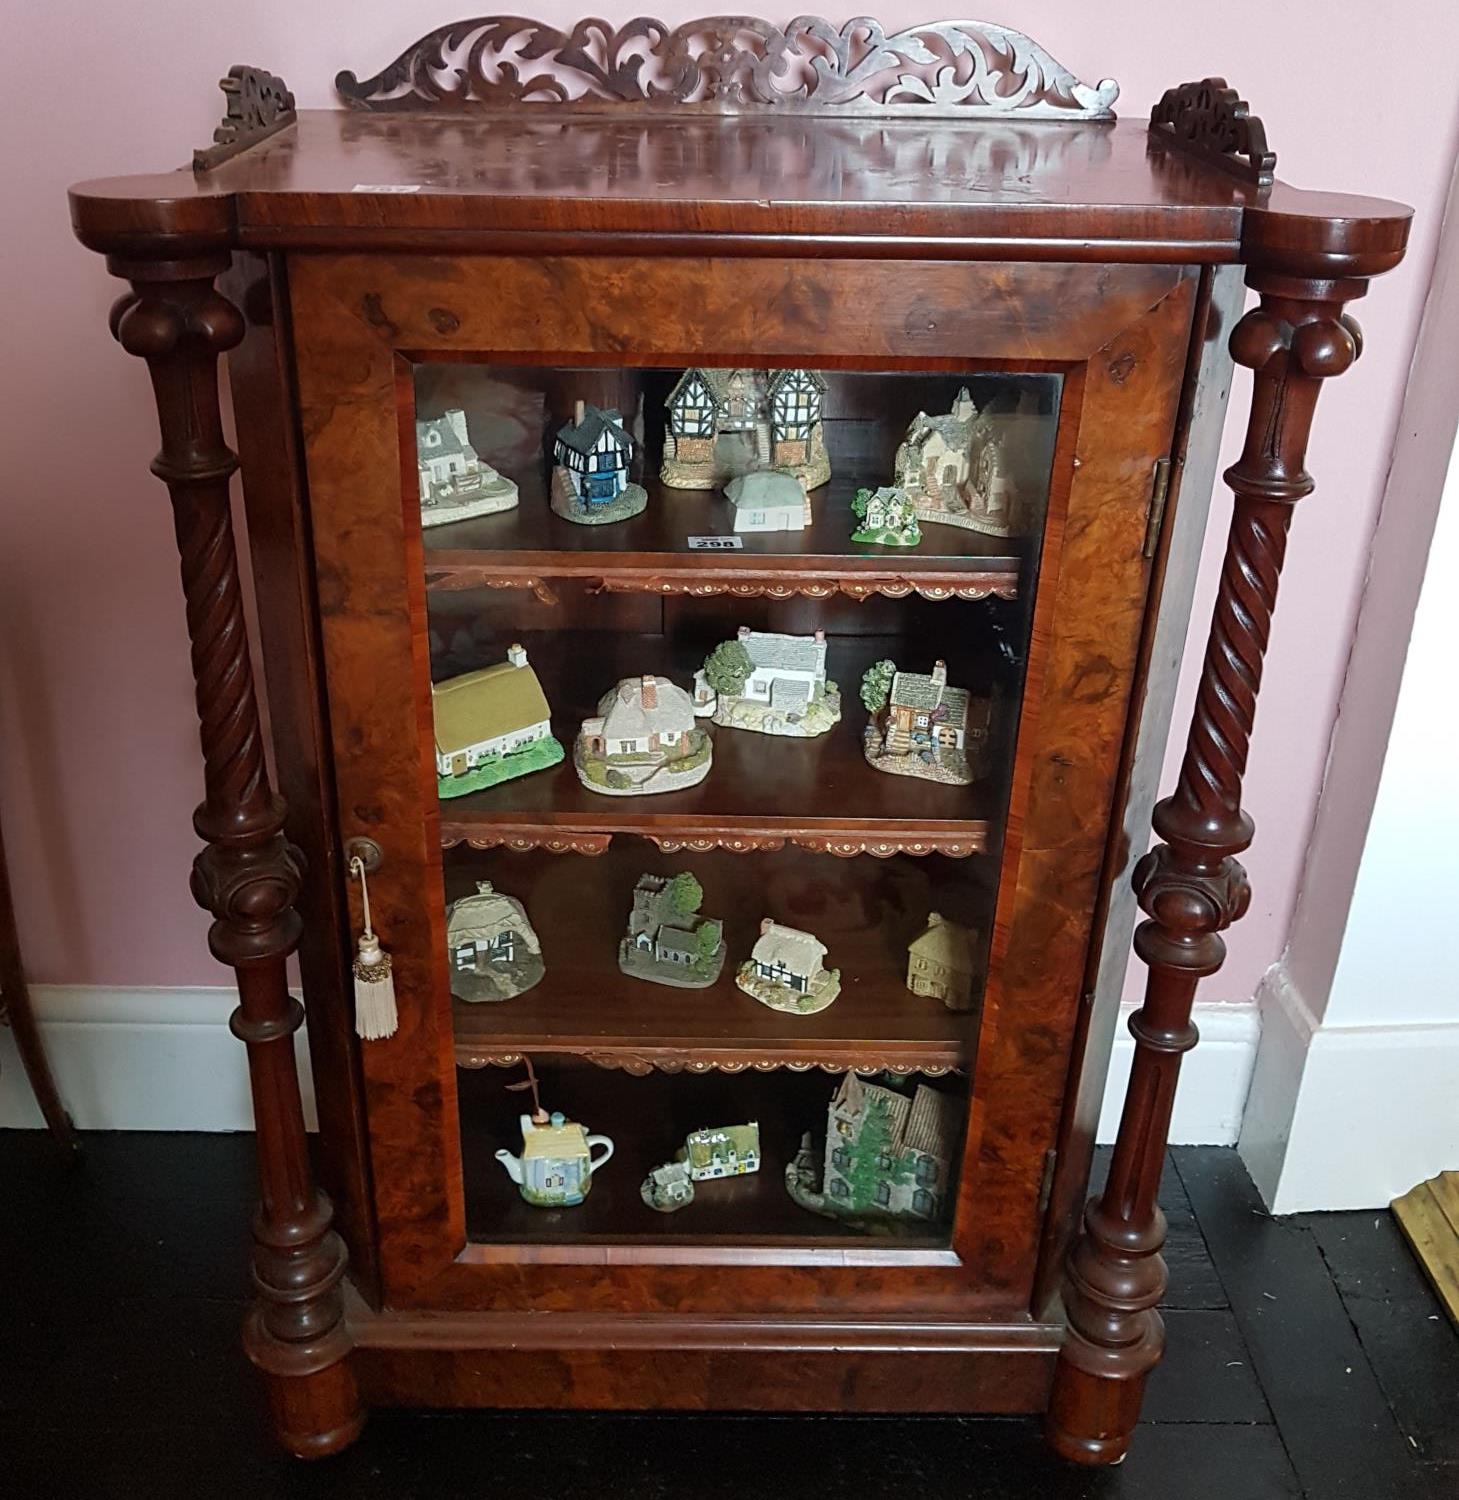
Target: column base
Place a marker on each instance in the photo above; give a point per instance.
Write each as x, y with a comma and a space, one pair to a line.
316, 1416
1091, 1418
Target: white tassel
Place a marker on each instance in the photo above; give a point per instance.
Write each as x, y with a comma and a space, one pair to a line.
375, 1013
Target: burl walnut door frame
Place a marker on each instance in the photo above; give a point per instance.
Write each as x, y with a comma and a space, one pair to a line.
1119, 334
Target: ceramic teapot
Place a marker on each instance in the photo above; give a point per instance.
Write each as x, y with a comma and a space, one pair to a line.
555, 1169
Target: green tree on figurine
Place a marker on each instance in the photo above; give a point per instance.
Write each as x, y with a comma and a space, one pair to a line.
728, 668
707, 938
865, 1172
684, 894
876, 685
859, 504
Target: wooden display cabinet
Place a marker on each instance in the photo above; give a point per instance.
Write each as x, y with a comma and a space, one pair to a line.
562, 219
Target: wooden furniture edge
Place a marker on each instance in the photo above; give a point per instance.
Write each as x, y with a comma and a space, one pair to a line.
1190, 884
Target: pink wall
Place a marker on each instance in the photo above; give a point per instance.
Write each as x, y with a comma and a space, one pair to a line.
98, 763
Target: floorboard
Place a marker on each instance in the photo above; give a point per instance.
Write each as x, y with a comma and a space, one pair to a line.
1306, 1360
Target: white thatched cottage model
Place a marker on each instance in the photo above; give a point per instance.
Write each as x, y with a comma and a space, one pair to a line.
787, 956
645, 717
490, 713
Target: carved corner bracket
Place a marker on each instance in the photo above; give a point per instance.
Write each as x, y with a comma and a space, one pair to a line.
1209, 120
722, 64
259, 105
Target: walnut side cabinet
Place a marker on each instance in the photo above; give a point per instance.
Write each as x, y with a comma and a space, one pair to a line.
509, 219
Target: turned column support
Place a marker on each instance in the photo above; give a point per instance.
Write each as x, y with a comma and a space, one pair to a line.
247, 874
1190, 885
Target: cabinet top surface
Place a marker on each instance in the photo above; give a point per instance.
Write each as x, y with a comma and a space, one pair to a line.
1038, 189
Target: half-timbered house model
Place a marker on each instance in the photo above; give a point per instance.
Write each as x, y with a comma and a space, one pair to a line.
887, 1154
455, 482
492, 725
491, 949
590, 483
954, 468
668, 941
786, 970
643, 739
727, 423
941, 962
769, 682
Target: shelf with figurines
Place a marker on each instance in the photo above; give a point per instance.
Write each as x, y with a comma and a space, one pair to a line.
743, 481
851, 1167
673, 723
653, 962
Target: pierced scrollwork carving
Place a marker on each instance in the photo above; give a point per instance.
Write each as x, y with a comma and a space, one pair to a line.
259, 105
728, 63
1211, 121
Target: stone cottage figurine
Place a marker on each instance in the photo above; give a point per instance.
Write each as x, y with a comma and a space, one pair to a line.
768, 682
643, 739
886, 1155
669, 1187
491, 949
886, 517
940, 963
726, 423
785, 971
921, 726
455, 482
668, 942
955, 470
590, 481
491, 725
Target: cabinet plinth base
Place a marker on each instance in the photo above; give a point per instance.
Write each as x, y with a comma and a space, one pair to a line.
315, 1416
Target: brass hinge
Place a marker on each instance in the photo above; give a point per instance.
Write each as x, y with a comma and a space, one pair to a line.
1046, 1187
1159, 493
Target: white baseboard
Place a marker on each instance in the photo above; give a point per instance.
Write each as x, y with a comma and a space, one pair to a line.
1214, 1078
1347, 1117
164, 1059
139, 1059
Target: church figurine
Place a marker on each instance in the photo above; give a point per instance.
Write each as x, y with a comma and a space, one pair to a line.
455, 482
668, 941
590, 480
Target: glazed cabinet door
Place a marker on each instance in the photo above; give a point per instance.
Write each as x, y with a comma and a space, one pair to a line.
720, 816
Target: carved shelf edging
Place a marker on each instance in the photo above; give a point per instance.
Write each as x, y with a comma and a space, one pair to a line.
721, 64
791, 586
641, 1064
259, 105
1209, 120
733, 843
955, 846
524, 843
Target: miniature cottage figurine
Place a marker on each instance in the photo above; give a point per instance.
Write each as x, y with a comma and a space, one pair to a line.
886, 517
491, 725
491, 949
642, 740
768, 501
455, 483
724, 1151
940, 963
922, 727
590, 484
771, 683
668, 941
954, 469
785, 972
885, 1156
727, 423
669, 1187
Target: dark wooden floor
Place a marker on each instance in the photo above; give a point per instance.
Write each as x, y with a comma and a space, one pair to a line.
1306, 1359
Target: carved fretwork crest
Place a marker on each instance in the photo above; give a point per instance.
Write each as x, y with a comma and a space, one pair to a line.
1210, 121
259, 104
727, 63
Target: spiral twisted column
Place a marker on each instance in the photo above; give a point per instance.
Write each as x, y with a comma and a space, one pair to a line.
1190, 885
247, 874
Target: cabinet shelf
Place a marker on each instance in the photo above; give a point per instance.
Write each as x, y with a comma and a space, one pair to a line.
650, 552
865, 912
762, 791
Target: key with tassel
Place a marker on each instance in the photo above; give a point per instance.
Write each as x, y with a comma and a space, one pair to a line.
375, 1014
